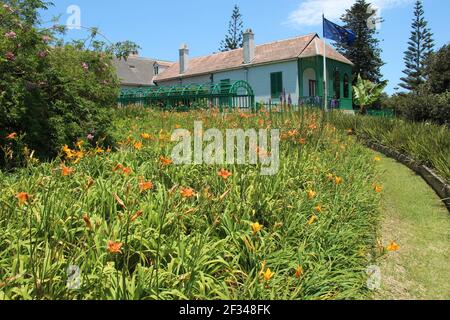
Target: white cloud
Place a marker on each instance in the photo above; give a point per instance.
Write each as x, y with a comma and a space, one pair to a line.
309, 12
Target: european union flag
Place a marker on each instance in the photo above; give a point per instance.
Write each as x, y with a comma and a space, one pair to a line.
337, 33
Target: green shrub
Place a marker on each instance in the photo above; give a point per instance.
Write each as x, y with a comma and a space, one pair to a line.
49, 95
424, 107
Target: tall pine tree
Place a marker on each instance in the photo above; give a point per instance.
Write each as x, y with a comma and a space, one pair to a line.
234, 39
420, 46
365, 52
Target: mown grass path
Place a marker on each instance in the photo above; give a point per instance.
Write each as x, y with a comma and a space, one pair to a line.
415, 218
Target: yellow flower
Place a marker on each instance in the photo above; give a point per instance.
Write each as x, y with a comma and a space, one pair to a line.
137, 145
311, 194
268, 274
99, 150
146, 136
393, 247
256, 227
313, 219
377, 159
338, 180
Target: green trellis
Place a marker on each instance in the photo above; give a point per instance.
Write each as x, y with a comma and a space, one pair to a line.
237, 94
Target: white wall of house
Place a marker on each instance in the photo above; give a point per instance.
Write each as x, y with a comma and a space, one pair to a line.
258, 77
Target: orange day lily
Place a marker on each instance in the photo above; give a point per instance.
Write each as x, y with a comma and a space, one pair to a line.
23, 197
11, 136
114, 247
65, 171
187, 193
145, 185
146, 136
338, 180
378, 188
165, 161
225, 174
393, 247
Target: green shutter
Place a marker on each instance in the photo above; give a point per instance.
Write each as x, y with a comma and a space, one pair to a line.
276, 84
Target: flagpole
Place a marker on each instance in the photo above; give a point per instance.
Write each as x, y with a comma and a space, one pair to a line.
325, 95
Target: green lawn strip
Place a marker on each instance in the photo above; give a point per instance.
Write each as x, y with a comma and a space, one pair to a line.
417, 220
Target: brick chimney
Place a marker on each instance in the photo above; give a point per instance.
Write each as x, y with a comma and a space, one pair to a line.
249, 46
184, 58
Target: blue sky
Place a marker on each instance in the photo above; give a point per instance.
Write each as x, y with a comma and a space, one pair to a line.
160, 27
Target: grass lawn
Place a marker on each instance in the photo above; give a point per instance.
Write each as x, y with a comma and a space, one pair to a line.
416, 219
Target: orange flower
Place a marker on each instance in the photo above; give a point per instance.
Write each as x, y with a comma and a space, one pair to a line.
145, 185
378, 188
298, 272
225, 174
136, 216
393, 247
127, 171
146, 136
11, 136
313, 219
319, 208
114, 247
302, 141
138, 145
292, 133
313, 126
69, 153
165, 161
256, 227
338, 180
187, 193
88, 222
65, 171
99, 150
311, 194
23, 197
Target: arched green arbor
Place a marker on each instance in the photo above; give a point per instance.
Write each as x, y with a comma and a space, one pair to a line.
238, 94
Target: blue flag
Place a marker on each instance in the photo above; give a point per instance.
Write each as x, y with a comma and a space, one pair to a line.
337, 33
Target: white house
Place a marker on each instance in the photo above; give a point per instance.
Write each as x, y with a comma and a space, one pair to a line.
292, 67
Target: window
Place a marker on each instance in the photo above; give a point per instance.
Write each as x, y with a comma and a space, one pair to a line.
312, 88
346, 86
156, 70
276, 84
337, 84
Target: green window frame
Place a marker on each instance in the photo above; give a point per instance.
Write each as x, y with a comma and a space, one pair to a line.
276, 84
